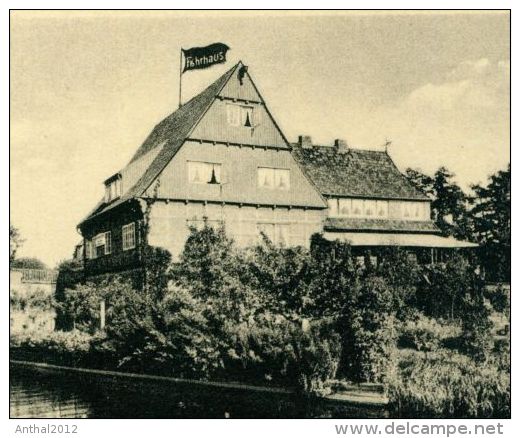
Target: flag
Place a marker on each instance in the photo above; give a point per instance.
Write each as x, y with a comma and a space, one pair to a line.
204, 57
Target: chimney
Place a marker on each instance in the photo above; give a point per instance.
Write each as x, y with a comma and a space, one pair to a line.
341, 145
305, 141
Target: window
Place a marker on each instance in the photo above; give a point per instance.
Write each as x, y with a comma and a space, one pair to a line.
99, 245
345, 207
108, 242
200, 172
333, 206
382, 209
241, 115
370, 208
357, 207
270, 178
129, 236
276, 233
88, 249
113, 189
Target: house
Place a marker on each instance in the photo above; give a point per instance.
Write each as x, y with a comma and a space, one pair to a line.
222, 158
371, 204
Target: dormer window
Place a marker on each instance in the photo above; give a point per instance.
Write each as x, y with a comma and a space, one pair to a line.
241, 115
113, 188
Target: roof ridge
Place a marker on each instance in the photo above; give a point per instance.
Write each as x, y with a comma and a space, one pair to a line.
169, 135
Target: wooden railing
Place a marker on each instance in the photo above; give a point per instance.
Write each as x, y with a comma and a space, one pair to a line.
38, 275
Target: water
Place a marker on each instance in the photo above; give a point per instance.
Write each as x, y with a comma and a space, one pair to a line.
44, 393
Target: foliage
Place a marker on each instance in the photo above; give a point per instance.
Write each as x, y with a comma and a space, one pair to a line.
476, 328
449, 204
491, 214
402, 274
369, 332
442, 288
15, 241
499, 299
271, 315
423, 334
36, 299
28, 263
64, 348
447, 385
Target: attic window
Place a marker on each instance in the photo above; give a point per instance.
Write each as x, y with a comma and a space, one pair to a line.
241, 115
200, 172
113, 188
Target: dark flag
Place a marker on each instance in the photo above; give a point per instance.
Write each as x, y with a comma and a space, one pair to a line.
204, 57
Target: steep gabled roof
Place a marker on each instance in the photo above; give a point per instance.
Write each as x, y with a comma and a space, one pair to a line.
168, 135
355, 172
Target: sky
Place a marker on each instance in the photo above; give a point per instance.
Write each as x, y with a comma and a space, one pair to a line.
87, 88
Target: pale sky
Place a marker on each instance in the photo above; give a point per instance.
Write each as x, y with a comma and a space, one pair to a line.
87, 88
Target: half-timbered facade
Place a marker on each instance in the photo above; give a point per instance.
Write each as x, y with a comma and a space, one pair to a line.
219, 158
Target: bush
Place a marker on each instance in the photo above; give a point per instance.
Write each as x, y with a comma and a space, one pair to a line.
499, 299
423, 334
447, 385
63, 348
369, 335
476, 328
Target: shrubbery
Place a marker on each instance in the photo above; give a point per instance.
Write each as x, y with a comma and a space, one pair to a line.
292, 317
449, 385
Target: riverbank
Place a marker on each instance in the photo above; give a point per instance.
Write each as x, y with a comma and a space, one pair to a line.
36, 387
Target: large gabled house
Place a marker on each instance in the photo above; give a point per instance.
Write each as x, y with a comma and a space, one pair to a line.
221, 158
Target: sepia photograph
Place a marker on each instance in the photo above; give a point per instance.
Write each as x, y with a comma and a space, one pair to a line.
259, 214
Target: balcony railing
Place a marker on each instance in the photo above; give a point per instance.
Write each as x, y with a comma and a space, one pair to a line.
38, 275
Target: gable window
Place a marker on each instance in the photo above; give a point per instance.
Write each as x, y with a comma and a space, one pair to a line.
200, 172
271, 178
128, 236
113, 188
241, 115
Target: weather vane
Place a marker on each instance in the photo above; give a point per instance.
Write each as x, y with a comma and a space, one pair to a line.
387, 143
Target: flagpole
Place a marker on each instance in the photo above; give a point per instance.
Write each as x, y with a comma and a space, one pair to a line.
180, 78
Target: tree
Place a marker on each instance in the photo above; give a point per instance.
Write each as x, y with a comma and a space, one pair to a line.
421, 181
491, 215
28, 263
15, 241
450, 206
450, 203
